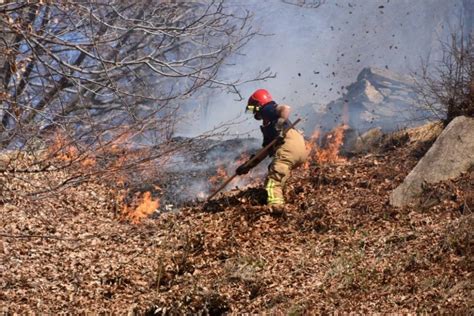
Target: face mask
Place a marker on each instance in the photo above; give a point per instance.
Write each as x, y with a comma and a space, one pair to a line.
257, 116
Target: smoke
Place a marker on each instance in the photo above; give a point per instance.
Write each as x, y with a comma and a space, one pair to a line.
316, 53
196, 173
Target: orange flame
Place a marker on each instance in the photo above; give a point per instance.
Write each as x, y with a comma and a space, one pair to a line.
330, 153
311, 147
222, 175
145, 208
63, 149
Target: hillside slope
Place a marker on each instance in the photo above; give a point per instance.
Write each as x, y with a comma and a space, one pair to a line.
340, 247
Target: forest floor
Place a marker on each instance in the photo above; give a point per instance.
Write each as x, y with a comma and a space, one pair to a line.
340, 247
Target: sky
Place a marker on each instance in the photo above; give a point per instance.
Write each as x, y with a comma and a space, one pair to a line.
316, 53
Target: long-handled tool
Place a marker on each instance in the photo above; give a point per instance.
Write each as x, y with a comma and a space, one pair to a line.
258, 157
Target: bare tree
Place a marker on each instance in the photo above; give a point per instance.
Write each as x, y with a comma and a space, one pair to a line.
446, 87
102, 73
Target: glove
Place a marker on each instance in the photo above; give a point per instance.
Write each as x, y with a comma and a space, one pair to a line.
242, 169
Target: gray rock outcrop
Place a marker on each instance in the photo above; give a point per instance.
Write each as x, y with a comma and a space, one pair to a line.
451, 154
368, 141
379, 98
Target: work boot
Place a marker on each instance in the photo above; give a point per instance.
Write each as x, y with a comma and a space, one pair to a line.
278, 210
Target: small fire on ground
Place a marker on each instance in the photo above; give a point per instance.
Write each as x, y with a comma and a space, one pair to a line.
329, 152
136, 207
142, 206
222, 174
64, 149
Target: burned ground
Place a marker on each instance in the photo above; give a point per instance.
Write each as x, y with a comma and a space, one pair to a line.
196, 172
339, 247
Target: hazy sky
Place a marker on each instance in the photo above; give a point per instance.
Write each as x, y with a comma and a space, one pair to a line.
316, 52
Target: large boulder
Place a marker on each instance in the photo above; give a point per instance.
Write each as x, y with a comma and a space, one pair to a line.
451, 154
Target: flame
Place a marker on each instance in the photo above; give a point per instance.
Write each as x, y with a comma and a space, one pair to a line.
311, 147
330, 153
335, 140
125, 160
63, 149
145, 208
221, 174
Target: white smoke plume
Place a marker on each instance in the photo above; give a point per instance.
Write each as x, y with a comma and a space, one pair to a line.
316, 53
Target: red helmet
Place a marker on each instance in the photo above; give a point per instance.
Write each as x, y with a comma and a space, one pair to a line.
258, 99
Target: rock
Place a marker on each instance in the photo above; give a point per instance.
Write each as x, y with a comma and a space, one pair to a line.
368, 141
451, 154
378, 98
424, 133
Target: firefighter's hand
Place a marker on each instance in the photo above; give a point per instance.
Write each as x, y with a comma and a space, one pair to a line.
242, 169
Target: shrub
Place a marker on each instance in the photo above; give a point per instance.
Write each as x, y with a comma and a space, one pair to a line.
446, 86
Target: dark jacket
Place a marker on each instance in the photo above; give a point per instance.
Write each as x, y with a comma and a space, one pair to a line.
270, 116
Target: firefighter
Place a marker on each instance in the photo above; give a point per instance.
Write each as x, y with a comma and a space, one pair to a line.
288, 153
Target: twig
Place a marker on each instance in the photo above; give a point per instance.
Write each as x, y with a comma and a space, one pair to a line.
36, 236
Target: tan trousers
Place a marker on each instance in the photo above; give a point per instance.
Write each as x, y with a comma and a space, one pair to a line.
288, 156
